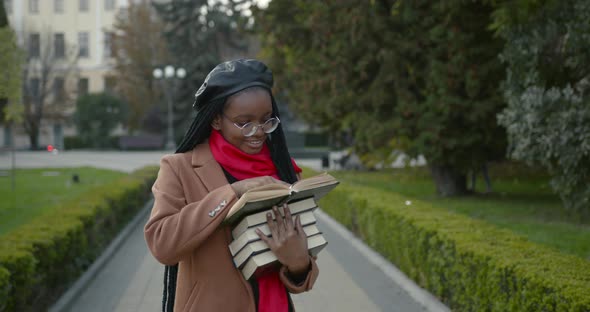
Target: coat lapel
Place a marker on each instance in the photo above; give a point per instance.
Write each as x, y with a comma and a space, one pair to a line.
206, 168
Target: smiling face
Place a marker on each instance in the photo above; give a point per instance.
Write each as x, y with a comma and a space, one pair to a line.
250, 106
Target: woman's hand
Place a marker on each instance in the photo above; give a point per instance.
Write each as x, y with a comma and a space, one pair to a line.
288, 241
242, 186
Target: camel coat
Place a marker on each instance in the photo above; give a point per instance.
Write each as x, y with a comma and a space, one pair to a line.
192, 197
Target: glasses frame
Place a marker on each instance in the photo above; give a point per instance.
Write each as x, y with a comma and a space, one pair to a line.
255, 127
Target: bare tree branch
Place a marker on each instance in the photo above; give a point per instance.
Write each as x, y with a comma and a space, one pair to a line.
41, 100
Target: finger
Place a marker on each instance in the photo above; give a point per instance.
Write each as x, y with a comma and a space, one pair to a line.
271, 225
264, 238
299, 227
280, 221
288, 217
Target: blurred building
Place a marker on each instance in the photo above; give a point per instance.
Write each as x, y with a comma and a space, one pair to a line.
67, 44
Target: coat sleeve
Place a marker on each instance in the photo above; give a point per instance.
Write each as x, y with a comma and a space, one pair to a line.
176, 228
306, 285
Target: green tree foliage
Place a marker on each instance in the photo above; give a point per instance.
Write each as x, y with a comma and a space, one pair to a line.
412, 75
200, 34
96, 117
547, 88
10, 79
3, 17
11, 109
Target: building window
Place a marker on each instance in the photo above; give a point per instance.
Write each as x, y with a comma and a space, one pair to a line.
58, 6
110, 83
83, 44
109, 5
8, 6
33, 6
59, 90
35, 89
82, 87
59, 45
34, 45
83, 4
108, 45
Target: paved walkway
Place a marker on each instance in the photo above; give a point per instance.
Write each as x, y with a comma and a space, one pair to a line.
128, 278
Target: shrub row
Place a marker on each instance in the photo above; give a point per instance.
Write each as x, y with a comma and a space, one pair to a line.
469, 264
39, 260
76, 142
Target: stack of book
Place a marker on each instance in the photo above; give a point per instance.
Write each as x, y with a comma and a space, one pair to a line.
251, 254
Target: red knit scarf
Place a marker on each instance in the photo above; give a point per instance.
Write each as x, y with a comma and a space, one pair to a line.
272, 296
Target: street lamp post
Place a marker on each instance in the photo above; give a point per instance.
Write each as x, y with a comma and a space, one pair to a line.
169, 72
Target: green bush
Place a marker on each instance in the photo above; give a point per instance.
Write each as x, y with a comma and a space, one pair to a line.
44, 256
76, 142
4, 286
314, 139
96, 117
73, 142
547, 89
469, 264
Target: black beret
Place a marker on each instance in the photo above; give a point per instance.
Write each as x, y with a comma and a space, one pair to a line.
230, 77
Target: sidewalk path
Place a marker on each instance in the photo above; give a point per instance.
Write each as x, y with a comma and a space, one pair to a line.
132, 281
115, 160
352, 277
123, 161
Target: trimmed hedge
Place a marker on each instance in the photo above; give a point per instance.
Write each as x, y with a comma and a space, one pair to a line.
469, 264
4, 287
39, 260
76, 142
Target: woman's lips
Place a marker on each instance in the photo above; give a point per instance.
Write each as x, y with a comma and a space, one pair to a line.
255, 143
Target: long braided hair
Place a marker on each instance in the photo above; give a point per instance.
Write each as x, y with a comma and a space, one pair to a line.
198, 133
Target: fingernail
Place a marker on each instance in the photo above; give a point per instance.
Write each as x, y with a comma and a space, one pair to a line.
268, 215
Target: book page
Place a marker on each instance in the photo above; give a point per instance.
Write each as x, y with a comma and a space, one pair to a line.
266, 196
257, 194
313, 182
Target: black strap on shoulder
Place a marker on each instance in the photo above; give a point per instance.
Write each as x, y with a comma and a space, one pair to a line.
170, 273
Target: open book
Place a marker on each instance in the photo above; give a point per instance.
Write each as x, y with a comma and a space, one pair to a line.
266, 196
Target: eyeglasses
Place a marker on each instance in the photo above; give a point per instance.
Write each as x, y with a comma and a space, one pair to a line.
249, 129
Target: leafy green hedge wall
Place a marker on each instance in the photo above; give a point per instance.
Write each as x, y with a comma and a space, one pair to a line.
38, 261
469, 264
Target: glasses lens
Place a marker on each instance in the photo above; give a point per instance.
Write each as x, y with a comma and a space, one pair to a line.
270, 125
249, 129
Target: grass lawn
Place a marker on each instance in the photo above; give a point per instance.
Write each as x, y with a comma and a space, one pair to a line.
39, 190
521, 201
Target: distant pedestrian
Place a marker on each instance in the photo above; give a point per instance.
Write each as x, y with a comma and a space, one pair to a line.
234, 144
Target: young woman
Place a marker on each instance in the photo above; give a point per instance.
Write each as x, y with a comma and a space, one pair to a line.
235, 143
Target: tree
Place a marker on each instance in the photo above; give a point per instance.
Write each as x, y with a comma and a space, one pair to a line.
200, 35
138, 47
418, 76
3, 17
11, 109
10, 77
547, 88
96, 116
46, 76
